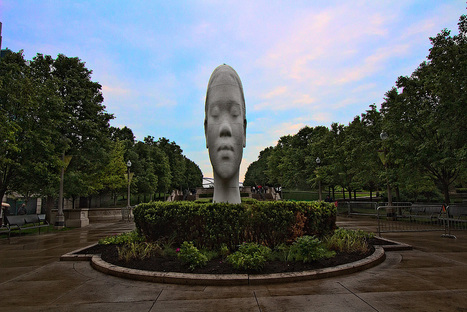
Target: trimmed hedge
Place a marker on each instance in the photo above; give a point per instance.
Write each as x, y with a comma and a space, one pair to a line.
210, 225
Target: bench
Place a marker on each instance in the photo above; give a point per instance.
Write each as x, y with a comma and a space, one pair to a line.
457, 211
25, 222
428, 212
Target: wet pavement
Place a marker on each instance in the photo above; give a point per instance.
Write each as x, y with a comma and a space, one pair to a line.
431, 277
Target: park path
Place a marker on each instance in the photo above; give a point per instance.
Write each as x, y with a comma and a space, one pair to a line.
431, 277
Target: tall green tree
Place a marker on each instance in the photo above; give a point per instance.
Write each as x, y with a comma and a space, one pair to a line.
176, 162
113, 175
427, 121
84, 131
193, 174
256, 173
29, 107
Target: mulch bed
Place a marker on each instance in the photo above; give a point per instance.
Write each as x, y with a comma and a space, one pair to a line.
109, 254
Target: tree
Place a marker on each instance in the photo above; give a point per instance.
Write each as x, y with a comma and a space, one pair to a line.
193, 174
176, 162
84, 131
113, 175
256, 173
427, 121
28, 107
371, 166
161, 165
146, 180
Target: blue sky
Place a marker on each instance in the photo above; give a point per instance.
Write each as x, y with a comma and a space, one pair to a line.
301, 62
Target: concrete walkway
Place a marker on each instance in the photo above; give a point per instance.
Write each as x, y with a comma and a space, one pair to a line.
432, 277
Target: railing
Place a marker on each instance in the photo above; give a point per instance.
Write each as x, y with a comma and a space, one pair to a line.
360, 208
365, 208
421, 218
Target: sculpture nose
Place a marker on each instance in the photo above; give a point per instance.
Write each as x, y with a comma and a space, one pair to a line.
225, 130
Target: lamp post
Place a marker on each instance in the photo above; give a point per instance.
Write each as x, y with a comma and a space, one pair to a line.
318, 162
60, 217
384, 136
128, 164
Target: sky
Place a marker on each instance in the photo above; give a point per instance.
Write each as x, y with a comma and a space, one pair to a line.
302, 63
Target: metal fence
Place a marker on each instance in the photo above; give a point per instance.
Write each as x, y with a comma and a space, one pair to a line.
364, 208
358, 208
421, 218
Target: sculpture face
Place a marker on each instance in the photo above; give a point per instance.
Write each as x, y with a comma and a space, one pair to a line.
225, 123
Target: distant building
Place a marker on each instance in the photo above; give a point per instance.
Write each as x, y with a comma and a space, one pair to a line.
5, 51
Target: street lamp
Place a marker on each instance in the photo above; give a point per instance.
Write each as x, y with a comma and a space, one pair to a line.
384, 136
60, 217
128, 164
318, 162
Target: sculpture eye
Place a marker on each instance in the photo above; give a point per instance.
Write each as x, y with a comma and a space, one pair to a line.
235, 111
214, 111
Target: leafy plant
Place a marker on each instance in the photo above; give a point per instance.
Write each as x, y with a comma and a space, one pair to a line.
250, 256
307, 249
123, 238
137, 250
349, 241
224, 251
281, 253
191, 256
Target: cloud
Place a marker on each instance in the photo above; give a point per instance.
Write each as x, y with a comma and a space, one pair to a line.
372, 63
276, 92
115, 91
304, 99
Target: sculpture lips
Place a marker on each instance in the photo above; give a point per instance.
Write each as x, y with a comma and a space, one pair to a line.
225, 148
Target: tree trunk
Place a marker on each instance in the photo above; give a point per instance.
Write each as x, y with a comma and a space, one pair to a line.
83, 202
2, 193
447, 199
343, 193
371, 195
49, 205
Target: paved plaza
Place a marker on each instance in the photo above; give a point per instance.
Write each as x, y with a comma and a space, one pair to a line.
431, 277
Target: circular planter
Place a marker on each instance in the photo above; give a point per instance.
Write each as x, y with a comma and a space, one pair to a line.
237, 279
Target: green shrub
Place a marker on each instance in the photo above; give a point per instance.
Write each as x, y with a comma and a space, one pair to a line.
224, 251
281, 253
203, 201
191, 256
349, 241
308, 249
210, 225
248, 200
250, 256
137, 250
123, 238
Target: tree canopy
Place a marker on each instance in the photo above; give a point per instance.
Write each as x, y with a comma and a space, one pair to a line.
52, 116
424, 116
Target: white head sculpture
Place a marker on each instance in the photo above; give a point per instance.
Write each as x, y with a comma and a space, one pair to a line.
225, 130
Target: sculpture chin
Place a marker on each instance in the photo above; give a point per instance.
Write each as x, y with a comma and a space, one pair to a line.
225, 163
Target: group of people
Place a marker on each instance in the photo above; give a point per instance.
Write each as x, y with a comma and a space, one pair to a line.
259, 189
